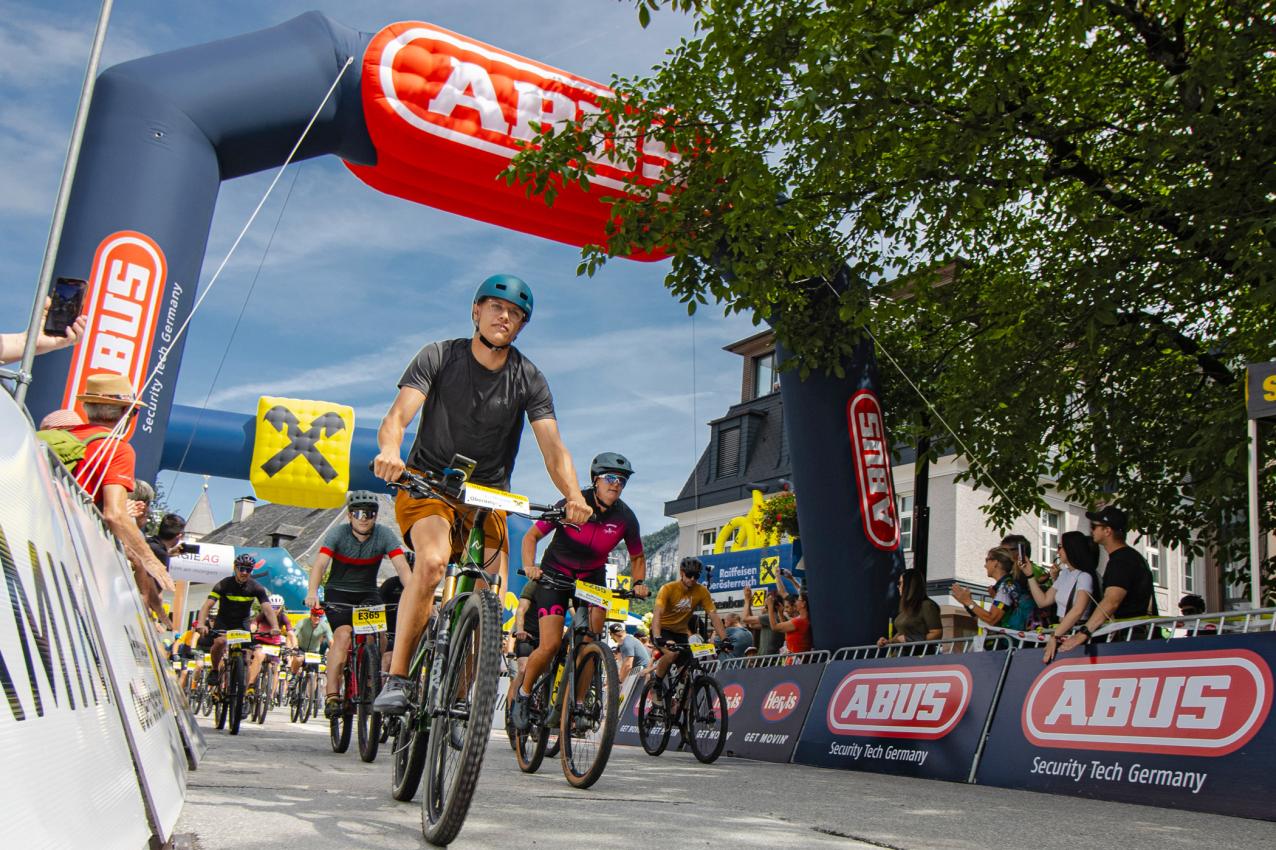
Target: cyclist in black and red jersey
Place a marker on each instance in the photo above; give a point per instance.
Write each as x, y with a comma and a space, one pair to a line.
265, 635
579, 554
354, 551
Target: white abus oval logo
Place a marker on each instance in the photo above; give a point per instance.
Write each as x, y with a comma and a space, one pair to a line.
916, 702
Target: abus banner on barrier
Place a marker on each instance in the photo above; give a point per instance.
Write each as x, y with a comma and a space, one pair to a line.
766, 708
68, 779
909, 716
1136, 722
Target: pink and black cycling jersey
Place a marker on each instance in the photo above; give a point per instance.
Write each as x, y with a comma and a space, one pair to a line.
578, 553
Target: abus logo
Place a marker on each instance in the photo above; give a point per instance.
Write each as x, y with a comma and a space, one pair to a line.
1205, 703
735, 698
919, 702
872, 470
488, 99
124, 290
781, 701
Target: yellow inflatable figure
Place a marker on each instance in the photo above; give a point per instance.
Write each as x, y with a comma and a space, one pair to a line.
745, 532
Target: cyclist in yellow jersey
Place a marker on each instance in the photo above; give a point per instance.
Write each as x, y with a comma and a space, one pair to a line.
675, 603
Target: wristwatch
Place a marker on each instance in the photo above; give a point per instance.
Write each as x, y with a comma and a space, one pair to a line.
637, 582
1085, 630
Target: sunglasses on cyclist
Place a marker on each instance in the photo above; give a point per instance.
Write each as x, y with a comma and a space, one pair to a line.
363, 513
243, 569
613, 478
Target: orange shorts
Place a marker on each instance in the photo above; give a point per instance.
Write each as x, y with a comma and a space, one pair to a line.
409, 511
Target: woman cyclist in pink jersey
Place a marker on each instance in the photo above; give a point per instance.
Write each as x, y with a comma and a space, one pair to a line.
579, 554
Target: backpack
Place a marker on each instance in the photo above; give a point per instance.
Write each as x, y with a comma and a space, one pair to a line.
67, 447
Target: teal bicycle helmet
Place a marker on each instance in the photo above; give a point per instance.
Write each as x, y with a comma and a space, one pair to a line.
509, 288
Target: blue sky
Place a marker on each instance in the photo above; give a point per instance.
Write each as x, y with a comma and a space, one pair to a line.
355, 281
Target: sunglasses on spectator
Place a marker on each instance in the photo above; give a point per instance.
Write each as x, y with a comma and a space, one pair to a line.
363, 513
612, 478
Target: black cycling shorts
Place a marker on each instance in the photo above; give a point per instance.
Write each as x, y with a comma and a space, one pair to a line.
676, 637
524, 648
338, 617
549, 601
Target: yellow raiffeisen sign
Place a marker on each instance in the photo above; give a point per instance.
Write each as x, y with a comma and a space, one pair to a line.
301, 454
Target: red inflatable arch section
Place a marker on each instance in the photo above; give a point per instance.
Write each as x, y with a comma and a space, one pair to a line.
447, 113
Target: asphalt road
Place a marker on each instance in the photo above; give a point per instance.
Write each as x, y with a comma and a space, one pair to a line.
281, 785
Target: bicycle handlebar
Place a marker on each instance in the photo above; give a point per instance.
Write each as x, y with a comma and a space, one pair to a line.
562, 582
447, 487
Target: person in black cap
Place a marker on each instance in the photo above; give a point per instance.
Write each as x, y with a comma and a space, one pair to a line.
1127, 579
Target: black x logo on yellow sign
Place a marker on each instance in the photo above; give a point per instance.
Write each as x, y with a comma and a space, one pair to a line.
768, 570
759, 599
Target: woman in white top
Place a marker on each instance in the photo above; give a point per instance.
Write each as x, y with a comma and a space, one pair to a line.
1074, 591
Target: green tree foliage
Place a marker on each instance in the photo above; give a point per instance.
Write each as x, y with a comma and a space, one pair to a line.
1094, 181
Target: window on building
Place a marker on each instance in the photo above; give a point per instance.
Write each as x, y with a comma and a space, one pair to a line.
708, 536
766, 379
1050, 523
729, 452
905, 504
1154, 561
1189, 574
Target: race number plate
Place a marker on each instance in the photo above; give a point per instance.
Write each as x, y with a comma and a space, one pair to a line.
234, 637
593, 594
703, 650
313, 658
177, 664
283, 674
369, 620
478, 496
272, 651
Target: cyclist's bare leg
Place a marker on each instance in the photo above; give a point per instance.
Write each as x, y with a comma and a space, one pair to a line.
337, 659
218, 652
551, 629
254, 665
432, 540
665, 662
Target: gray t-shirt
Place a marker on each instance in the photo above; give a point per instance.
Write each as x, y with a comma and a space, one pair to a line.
630, 646
473, 411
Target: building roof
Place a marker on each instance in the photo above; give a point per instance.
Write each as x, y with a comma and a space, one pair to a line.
201, 521
763, 457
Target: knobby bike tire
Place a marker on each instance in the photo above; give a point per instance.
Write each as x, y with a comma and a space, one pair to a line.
586, 737
235, 704
311, 696
529, 746
295, 697
654, 722
339, 725
411, 734
369, 686
706, 714
474, 663
223, 691
265, 686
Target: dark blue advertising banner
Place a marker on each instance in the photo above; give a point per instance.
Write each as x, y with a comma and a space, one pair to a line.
756, 568
627, 724
1183, 724
767, 706
919, 717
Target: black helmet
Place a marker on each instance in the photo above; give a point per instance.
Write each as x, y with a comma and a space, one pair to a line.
610, 462
362, 498
691, 567
245, 560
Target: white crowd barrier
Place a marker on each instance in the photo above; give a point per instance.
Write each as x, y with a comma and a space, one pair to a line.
95, 751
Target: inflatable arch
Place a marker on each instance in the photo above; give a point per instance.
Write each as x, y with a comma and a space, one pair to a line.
430, 116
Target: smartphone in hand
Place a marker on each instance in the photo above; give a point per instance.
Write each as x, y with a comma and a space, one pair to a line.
66, 300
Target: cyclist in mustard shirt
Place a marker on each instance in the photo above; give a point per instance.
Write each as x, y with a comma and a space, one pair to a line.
675, 603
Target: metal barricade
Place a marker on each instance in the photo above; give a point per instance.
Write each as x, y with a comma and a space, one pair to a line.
787, 659
911, 649
1195, 625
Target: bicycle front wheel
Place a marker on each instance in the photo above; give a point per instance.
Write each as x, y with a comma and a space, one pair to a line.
707, 719
235, 702
339, 724
459, 731
653, 719
369, 687
529, 746
588, 725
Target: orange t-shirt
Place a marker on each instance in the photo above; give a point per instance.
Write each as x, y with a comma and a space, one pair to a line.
105, 461
799, 640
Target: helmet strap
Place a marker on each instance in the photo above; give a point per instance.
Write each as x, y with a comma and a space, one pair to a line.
493, 346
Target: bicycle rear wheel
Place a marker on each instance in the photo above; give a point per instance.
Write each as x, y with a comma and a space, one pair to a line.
369, 687
458, 735
265, 684
653, 719
310, 696
223, 689
586, 731
707, 719
235, 700
529, 746
411, 734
